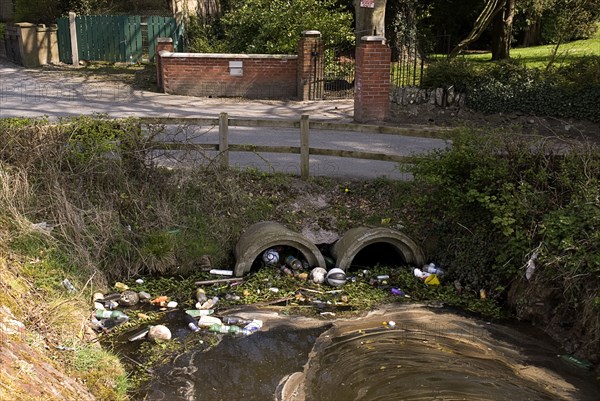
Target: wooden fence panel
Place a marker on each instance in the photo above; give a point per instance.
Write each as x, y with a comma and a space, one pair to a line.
115, 38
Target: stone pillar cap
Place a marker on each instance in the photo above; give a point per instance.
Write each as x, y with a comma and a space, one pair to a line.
164, 40
311, 33
373, 39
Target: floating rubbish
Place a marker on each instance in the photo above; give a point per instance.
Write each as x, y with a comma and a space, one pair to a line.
139, 335
208, 321
97, 296
199, 312
293, 262
398, 292
68, 286
432, 279
172, 304
327, 314
236, 320
391, 324
252, 327
420, 274
107, 314
221, 280
121, 286
144, 296
432, 268
270, 257
159, 333
232, 297
129, 298
287, 271
336, 277
383, 277
225, 329
220, 272
274, 289
580, 363
201, 296
139, 281
483, 294
302, 276
210, 304
191, 323
161, 301
458, 286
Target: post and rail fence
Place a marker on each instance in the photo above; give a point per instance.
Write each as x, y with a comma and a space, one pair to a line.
304, 125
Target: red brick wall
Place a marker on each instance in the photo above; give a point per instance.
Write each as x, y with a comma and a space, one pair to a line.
372, 80
264, 76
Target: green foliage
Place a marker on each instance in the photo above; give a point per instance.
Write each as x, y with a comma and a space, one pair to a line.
275, 26
570, 91
491, 199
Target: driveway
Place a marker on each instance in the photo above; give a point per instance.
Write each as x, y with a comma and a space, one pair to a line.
38, 92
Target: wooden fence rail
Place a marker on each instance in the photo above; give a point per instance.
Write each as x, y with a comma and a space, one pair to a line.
304, 150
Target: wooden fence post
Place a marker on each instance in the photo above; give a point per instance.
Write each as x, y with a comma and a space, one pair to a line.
223, 139
73, 31
304, 148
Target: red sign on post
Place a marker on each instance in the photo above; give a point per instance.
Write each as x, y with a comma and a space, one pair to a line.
367, 3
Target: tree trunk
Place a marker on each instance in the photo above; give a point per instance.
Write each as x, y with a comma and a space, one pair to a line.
492, 7
502, 31
369, 21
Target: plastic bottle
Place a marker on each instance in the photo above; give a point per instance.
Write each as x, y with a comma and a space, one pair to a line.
107, 314
201, 296
68, 286
293, 262
235, 320
287, 271
210, 304
199, 312
252, 327
223, 328
208, 321
432, 269
191, 323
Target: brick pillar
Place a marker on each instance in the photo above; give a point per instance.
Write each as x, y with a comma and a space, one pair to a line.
165, 44
372, 80
310, 66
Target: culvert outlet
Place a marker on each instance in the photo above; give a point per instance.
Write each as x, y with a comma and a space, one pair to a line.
356, 239
267, 234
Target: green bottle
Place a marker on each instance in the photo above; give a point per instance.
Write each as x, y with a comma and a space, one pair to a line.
223, 328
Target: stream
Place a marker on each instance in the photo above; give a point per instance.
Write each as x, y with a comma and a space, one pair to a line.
425, 354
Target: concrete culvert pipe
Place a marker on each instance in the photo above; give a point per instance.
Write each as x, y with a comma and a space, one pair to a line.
267, 234
356, 239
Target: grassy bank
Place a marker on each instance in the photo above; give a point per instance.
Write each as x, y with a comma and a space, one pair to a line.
540, 56
85, 200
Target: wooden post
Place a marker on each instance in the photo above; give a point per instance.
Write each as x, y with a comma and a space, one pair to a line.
223, 139
304, 148
73, 31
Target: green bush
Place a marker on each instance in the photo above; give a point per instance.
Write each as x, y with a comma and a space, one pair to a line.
571, 91
491, 199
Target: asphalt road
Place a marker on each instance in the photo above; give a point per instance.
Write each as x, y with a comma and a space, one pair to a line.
36, 93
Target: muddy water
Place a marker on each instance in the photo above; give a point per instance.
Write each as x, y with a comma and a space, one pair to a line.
430, 354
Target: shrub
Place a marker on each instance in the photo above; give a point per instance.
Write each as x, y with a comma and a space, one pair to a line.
491, 199
571, 91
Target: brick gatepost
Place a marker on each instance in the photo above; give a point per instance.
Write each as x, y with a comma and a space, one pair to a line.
165, 44
310, 66
372, 80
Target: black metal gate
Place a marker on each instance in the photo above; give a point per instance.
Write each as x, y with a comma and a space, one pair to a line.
335, 78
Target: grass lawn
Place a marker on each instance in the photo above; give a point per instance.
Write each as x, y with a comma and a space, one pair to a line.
539, 56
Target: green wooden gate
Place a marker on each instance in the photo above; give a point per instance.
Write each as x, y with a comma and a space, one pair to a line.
118, 38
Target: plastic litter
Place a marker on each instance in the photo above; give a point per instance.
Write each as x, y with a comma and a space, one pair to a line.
172, 304
68, 286
398, 292
252, 327
199, 312
139, 335
336, 277
318, 274
221, 272
236, 320
129, 298
293, 262
106, 314
224, 329
144, 296
201, 296
580, 363
432, 268
121, 286
139, 281
191, 323
207, 321
432, 279
159, 333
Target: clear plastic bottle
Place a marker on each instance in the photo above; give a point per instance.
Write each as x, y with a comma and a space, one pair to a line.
252, 327
107, 314
293, 262
235, 320
223, 328
191, 323
201, 296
